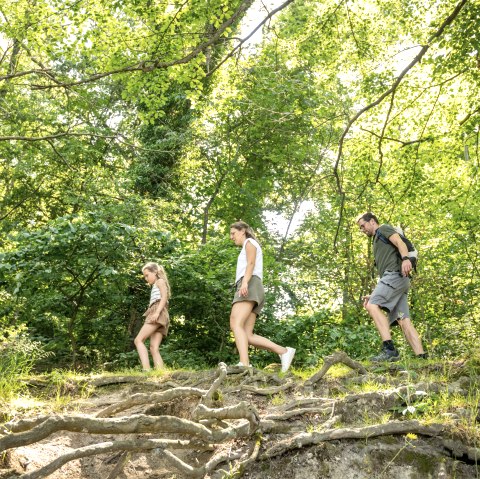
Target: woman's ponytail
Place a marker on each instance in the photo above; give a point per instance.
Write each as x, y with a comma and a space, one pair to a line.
241, 225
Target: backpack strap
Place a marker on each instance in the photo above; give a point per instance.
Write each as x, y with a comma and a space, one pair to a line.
385, 240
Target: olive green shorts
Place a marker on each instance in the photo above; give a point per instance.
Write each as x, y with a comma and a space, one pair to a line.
256, 293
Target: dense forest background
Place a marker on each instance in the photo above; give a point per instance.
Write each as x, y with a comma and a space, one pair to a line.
139, 130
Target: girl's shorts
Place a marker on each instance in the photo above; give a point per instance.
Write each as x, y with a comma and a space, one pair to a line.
159, 316
256, 293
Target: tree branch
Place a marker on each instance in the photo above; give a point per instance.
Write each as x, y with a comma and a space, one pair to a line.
150, 65
391, 90
403, 143
242, 41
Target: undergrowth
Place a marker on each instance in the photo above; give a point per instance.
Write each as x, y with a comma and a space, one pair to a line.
18, 355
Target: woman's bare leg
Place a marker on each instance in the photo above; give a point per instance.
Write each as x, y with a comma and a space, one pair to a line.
260, 341
238, 317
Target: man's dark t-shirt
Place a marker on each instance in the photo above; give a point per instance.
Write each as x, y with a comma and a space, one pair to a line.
386, 255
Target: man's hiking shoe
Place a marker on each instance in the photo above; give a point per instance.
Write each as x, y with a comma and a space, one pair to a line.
387, 355
286, 359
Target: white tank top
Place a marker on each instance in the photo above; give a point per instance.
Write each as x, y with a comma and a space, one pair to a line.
242, 261
155, 294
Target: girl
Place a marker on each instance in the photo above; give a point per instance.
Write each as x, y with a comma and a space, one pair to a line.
250, 297
156, 316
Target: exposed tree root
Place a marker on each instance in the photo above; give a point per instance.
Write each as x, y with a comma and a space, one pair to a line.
212, 427
335, 358
268, 391
391, 428
153, 398
298, 412
102, 448
123, 459
242, 410
221, 375
239, 468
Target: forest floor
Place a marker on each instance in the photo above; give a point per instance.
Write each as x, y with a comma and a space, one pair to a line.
345, 421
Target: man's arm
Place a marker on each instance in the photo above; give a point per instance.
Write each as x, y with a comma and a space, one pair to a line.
403, 250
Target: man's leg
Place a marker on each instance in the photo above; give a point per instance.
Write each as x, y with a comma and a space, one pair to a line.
381, 322
411, 335
389, 353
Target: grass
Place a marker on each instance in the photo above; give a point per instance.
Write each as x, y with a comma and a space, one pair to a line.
18, 355
339, 371
278, 399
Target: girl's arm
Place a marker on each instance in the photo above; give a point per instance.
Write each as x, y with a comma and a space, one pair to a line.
160, 283
251, 258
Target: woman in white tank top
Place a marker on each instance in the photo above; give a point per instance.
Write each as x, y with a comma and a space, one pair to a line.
250, 297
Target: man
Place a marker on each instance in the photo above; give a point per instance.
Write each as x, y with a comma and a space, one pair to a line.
390, 294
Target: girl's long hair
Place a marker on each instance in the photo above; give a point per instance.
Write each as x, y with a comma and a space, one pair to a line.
241, 225
159, 273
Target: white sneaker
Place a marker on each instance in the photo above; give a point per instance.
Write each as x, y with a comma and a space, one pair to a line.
241, 365
286, 359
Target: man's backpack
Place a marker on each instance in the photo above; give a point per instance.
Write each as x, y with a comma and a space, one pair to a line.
412, 251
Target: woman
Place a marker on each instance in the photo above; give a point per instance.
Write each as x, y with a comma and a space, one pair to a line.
250, 297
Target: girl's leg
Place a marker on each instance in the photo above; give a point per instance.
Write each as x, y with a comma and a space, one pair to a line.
260, 341
239, 315
145, 332
155, 340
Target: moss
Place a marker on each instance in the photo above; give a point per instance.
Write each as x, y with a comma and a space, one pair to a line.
423, 463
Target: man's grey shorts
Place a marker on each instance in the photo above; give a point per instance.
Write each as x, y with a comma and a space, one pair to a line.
256, 293
391, 295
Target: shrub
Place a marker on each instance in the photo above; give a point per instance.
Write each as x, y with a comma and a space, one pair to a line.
18, 355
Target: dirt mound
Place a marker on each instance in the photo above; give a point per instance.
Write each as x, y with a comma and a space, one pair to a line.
235, 422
